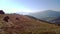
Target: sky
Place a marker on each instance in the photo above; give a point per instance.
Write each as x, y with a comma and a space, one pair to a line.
28, 6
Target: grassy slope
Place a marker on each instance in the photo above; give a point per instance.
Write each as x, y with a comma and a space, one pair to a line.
26, 25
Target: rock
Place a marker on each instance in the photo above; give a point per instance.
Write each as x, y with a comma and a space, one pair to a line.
17, 18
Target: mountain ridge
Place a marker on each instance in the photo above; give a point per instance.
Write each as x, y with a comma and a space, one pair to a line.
47, 15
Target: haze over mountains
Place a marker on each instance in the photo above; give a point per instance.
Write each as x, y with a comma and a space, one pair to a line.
48, 15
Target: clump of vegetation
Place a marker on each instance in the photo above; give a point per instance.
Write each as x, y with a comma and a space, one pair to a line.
2, 12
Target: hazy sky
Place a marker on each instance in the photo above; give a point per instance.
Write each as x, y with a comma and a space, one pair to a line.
13, 6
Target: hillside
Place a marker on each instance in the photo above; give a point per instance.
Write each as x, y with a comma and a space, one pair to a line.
20, 24
47, 15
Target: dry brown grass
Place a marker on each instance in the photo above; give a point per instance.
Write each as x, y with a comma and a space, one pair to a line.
26, 25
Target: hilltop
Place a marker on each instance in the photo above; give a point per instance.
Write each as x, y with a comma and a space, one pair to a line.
22, 24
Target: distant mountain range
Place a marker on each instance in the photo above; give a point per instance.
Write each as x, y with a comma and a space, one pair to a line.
48, 15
